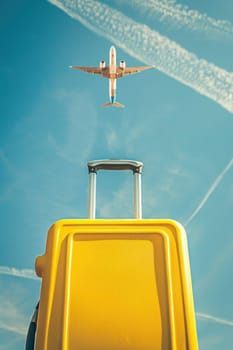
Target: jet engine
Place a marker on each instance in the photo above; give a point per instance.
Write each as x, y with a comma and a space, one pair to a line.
102, 64
122, 64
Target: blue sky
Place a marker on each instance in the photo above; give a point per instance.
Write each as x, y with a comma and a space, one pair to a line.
178, 120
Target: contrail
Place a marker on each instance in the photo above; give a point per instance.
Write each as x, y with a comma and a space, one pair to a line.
214, 319
24, 273
210, 191
182, 16
19, 330
149, 46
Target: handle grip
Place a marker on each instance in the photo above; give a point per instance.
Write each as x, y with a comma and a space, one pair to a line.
107, 164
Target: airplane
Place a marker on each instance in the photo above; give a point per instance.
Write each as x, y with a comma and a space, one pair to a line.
112, 73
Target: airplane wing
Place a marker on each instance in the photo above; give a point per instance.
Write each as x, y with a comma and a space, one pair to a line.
91, 70
133, 70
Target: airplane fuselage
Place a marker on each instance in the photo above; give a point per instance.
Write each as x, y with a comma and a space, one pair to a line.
112, 72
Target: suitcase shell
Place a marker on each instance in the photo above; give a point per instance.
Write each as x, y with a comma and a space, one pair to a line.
116, 284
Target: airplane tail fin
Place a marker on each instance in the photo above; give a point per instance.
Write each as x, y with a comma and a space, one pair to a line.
115, 104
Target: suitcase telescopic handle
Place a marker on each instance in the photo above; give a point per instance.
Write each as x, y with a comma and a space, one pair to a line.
106, 164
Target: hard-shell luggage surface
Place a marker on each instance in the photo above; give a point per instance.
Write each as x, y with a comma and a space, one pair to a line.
115, 284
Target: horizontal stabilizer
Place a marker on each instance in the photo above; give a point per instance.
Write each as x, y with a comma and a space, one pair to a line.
115, 104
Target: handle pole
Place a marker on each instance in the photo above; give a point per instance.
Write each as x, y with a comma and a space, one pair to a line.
92, 195
137, 196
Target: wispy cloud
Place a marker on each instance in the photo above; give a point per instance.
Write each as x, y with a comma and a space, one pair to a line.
12, 317
182, 16
23, 273
13, 342
121, 203
211, 318
14, 177
152, 48
210, 191
4, 161
76, 147
15, 329
218, 265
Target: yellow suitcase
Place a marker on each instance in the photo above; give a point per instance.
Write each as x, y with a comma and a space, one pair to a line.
115, 284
